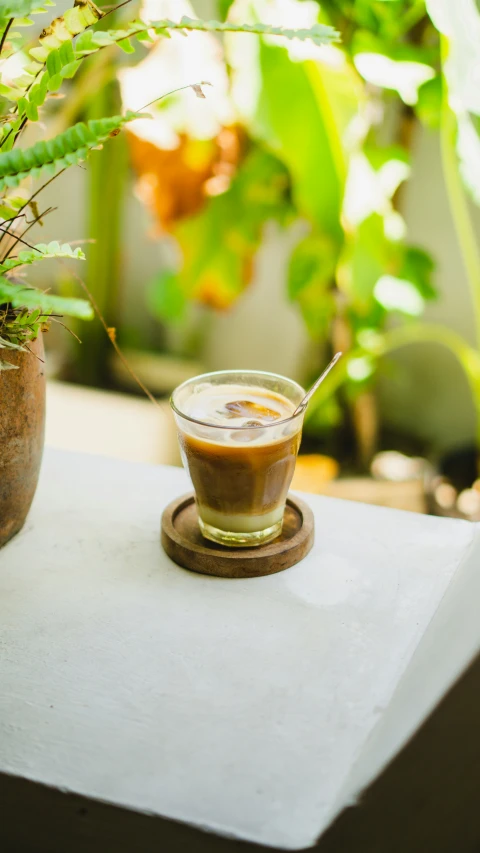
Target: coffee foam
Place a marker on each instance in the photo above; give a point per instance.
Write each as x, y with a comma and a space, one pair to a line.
207, 403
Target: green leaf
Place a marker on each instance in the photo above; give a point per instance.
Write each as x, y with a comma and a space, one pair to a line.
429, 104
38, 92
54, 62
55, 82
64, 150
418, 267
20, 296
224, 8
126, 45
42, 251
10, 206
368, 255
69, 71
310, 278
165, 298
28, 108
295, 118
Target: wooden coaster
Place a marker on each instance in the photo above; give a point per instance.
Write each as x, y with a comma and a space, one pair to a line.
183, 542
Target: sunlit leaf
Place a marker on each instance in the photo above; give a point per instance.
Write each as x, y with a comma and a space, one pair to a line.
295, 119
399, 66
369, 188
397, 294
404, 77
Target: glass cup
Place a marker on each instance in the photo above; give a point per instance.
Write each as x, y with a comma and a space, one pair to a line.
240, 474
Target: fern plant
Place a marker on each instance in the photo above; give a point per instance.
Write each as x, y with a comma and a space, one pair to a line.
25, 87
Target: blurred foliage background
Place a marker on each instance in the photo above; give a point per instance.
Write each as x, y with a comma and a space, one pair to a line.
292, 172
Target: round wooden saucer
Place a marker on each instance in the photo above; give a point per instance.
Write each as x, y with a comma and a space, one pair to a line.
183, 542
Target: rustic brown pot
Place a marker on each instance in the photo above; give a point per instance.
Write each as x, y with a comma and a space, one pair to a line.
22, 427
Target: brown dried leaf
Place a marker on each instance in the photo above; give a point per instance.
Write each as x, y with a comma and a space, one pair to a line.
175, 183
198, 90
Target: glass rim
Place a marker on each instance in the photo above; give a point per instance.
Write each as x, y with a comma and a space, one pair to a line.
204, 376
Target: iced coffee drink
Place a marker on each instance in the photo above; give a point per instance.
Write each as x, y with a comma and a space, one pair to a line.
239, 441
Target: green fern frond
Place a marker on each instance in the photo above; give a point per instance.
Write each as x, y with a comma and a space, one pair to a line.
90, 41
63, 150
19, 296
319, 33
42, 251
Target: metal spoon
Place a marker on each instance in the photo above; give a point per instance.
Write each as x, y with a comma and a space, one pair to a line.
303, 405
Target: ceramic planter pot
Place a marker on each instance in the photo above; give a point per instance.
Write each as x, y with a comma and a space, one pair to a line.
22, 427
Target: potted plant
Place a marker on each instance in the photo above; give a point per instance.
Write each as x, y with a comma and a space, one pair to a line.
30, 75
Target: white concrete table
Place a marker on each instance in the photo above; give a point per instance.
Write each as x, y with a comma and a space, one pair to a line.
253, 709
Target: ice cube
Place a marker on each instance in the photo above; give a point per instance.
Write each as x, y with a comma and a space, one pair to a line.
206, 432
245, 435
247, 408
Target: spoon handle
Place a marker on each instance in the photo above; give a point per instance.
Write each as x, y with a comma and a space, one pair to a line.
311, 391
